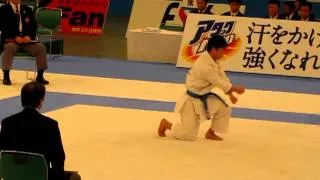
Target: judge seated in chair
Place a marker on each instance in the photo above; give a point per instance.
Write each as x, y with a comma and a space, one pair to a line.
306, 12
273, 10
18, 31
30, 131
202, 7
234, 8
289, 11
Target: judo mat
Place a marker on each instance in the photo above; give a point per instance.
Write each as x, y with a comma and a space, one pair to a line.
108, 112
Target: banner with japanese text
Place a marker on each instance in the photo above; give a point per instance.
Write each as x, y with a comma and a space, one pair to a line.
81, 16
255, 45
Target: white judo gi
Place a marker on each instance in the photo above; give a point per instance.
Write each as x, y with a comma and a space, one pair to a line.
204, 75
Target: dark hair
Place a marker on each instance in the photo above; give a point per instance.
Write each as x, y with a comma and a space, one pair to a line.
236, 1
216, 41
31, 94
277, 2
290, 4
306, 3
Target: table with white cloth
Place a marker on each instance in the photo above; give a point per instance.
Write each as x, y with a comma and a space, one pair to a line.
153, 45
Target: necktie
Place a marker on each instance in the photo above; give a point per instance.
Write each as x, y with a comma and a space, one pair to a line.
18, 17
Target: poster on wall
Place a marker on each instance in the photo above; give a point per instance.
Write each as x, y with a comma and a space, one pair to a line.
262, 46
80, 16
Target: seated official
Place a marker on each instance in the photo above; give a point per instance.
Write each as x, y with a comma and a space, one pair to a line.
30, 131
297, 4
18, 30
234, 8
289, 11
202, 7
273, 9
306, 12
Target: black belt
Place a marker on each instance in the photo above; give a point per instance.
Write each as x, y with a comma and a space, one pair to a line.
204, 98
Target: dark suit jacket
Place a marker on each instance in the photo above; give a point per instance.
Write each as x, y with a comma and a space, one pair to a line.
30, 131
229, 14
294, 17
279, 17
311, 18
296, 13
9, 25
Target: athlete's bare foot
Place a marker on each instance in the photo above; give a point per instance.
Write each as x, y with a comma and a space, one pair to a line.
164, 125
213, 136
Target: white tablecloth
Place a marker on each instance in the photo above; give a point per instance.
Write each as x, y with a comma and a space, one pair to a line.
153, 46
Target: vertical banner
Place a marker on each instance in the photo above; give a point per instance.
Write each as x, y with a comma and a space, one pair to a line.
264, 46
81, 16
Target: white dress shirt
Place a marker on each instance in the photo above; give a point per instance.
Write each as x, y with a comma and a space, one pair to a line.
15, 11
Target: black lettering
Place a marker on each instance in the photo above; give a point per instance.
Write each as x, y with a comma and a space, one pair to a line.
65, 11
78, 19
167, 16
96, 16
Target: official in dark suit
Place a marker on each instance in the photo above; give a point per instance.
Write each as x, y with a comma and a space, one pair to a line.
18, 30
234, 8
289, 11
306, 12
297, 4
202, 7
273, 10
30, 131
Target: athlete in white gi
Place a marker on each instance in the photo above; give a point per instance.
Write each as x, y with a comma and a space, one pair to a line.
197, 104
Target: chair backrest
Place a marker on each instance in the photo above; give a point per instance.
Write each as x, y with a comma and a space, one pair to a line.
15, 165
49, 18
